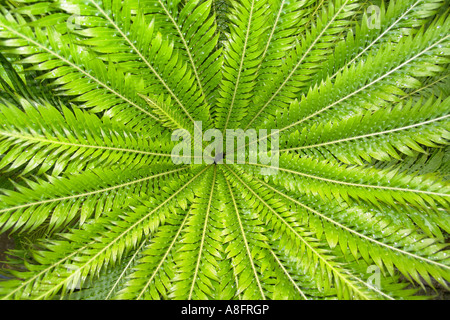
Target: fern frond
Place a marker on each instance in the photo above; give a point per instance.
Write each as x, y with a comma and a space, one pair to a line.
110, 281
372, 87
309, 52
392, 234
242, 57
320, 265
245, 230
330, 178
400, 18
352, 204
57, 270
90, 192
379, 134
149, 51
74, 71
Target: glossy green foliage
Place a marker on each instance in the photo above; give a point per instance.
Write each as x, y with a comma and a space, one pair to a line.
92, 90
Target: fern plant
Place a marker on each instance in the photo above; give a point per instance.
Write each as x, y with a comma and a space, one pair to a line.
92, 90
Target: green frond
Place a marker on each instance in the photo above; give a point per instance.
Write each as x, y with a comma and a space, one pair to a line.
104, 201
331, 179
141, 49
353, 237
71, 141
380, 134
80, 196
364, 87
195, 30
241, 59
296, 240
400, 18
310, 51
245, 231
65, 264
74, 70
110, 280
194, 278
